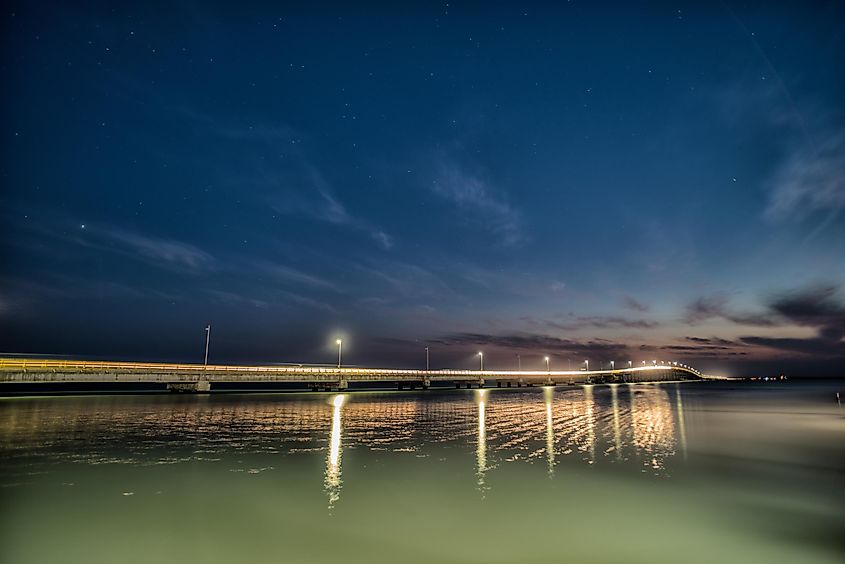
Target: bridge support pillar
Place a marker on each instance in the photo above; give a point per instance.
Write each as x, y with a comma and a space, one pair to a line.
200, 386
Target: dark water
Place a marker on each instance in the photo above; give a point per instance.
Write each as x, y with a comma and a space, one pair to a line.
695, 472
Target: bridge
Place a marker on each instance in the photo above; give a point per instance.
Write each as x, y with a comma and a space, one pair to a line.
200, 377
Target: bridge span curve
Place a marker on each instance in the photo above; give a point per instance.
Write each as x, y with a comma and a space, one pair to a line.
201, 378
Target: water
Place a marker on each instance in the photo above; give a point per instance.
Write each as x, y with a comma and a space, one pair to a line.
694, 472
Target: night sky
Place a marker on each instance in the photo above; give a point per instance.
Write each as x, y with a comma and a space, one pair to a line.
586, 180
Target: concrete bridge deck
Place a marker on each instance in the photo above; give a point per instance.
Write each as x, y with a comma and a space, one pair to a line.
199, 377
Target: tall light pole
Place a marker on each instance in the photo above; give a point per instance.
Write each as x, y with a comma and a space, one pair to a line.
587, 364
207, 338
612, 364
518, 362
547, 365
426, 359
630, 364
481, 359
339, 350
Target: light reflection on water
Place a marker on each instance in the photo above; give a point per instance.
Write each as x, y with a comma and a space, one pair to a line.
429, 455
548, 396
481, 442
170, 430
333, 482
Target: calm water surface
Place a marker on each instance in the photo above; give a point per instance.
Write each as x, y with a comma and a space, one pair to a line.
695, 472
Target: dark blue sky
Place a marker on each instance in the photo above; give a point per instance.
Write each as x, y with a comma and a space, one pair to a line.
586, 180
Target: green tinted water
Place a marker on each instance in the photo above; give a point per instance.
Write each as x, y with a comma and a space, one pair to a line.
696, 472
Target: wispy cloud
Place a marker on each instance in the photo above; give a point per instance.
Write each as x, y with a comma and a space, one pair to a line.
327, 207
711, 341
572, 322
319, 202
275, 299
809, 181
474, 195
815, 307
235, 130
634, 305
535, 342
717, 306
292, 275
226, 297
158, 251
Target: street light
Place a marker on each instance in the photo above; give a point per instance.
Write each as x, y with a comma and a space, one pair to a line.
612, 364
426, 358
547, 365
518, 362
630, 364
207, 338
339, 350
481, 359
587, 365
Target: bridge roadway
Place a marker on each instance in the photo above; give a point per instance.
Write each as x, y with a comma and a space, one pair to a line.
199, 378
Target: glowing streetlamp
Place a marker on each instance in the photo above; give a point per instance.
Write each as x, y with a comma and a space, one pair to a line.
630, 364
207, 338
481, 359
547, 364
612, 364
426, 358
587, 365
339, 350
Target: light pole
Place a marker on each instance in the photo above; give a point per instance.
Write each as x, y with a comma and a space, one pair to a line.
426, 358
481, 359
630, 364
518, 362
612, 364
207, 338
587, 364
339, 350
547, 365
